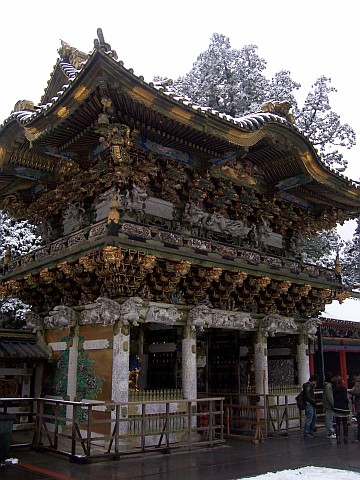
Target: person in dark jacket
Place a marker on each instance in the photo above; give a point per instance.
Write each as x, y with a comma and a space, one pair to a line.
355, 392
341, 408
310, 406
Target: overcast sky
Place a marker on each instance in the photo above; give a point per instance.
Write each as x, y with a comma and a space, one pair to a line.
309, 38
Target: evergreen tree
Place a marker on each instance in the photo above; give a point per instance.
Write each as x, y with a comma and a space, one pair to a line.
19, 238
321, 249
322, 126
225, 79
350, 260
233, 82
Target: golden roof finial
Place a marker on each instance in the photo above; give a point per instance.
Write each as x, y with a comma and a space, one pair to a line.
337, 264
7, 257
114, 215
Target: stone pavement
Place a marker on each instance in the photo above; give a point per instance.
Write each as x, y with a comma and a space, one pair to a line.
234, 460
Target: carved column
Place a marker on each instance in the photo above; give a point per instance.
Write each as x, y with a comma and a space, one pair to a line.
120, 371
261, 363
142, 382
72, 368
120, 367
189, 376
303, 359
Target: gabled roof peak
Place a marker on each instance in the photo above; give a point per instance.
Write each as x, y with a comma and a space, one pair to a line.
71, 55
99, 43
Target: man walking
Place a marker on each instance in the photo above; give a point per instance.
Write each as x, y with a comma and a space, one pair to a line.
310, 406
328, 405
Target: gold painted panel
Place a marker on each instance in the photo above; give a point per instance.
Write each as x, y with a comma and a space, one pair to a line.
81, 93
62, 112
180, 113
143, 95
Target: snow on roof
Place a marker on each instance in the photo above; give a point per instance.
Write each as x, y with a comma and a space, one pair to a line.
349, 310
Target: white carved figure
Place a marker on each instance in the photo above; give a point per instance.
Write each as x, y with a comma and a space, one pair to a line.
215, 222
135, 199
235, 320
74, 213
243, 321
33, 321
130, 311
289, 325
264, 230
45, 231
61, 317
236, 228
199, 316
310, 327
161, 314
104, 310
272, 324
193, 214
222, 318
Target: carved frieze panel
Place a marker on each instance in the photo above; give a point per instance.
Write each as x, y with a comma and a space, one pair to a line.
33, 321
170, 238
273, 262
312, 271
98, 231
41, 253
251, 257
161, 313
76, 239
104, 311
136, 230
274, 323
309, 328
204, 317
199, 244
57, 246
61, 317
226, 251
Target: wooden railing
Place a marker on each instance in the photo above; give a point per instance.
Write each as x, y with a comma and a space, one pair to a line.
255, 417
87, 430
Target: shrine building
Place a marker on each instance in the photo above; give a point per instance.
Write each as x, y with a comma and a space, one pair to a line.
170, 237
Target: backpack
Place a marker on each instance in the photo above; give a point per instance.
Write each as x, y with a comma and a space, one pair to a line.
300, 401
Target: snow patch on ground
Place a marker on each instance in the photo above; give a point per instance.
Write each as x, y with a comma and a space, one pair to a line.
308, 473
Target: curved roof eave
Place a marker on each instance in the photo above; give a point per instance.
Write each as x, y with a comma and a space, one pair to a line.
245, 131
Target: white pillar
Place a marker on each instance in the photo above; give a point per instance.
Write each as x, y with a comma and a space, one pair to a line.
72, 369
189, 375
38, 379
303, 359
120, 374
261, 364
120, 366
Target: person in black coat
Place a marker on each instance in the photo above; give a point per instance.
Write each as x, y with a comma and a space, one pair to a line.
341, 408
310, 406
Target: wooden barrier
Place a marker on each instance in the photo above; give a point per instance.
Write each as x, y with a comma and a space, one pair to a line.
244, 421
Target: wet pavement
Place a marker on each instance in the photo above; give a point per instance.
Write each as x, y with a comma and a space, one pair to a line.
235, 459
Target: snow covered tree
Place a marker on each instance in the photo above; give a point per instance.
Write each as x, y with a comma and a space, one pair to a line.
19, 238
233, 82
225, 79
321, 250
322, 126
18, 235
350, 259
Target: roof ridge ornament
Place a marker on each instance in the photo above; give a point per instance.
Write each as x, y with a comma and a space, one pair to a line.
71, 55
281, 109
99, 43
